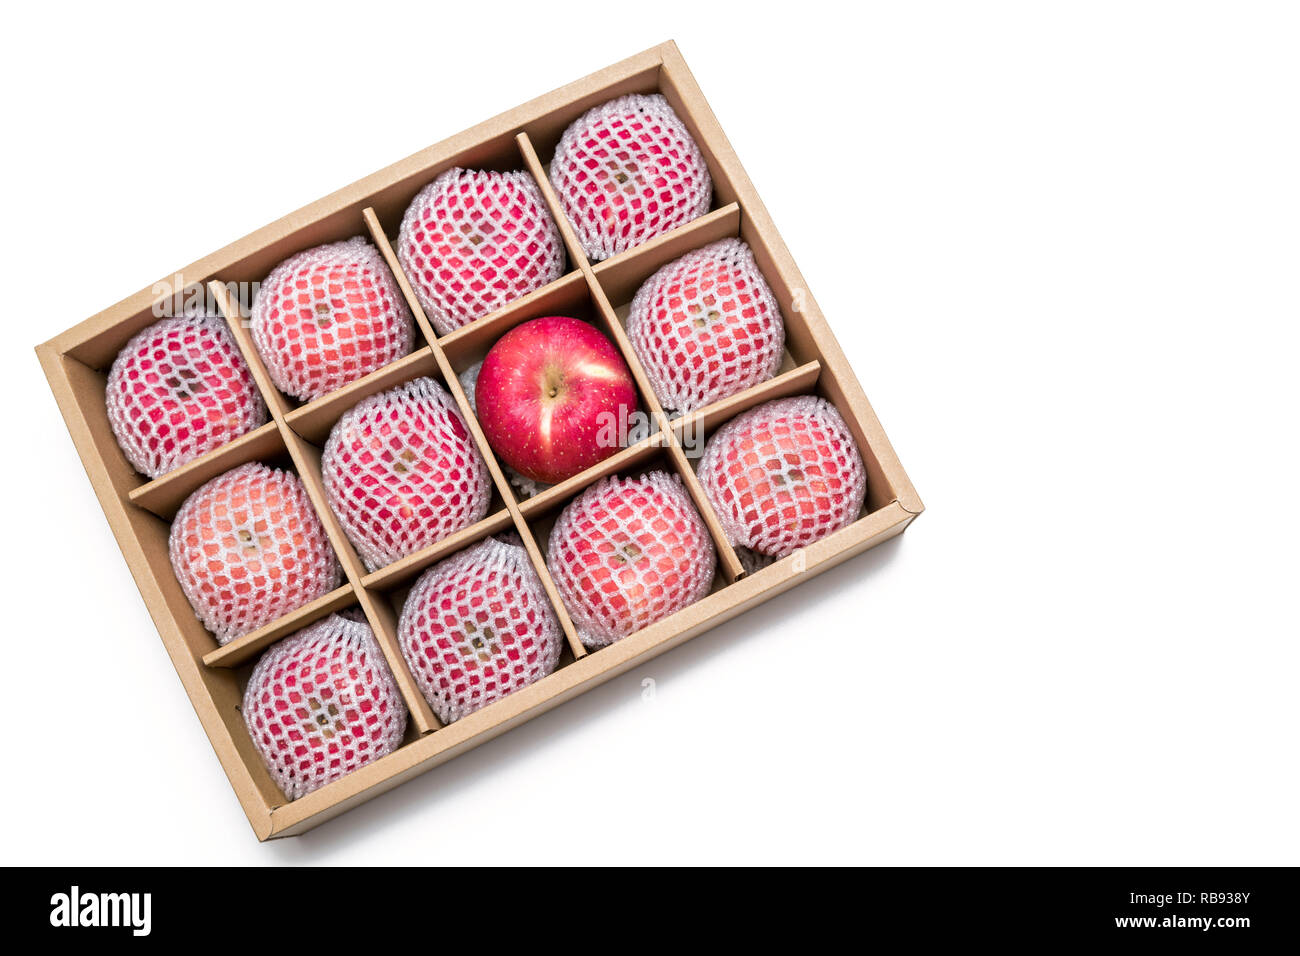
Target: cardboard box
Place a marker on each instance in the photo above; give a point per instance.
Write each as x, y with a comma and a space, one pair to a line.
139, 511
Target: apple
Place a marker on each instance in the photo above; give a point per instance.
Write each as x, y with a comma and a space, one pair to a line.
474, 240
706, 326
248, 548
784, 475
554, 397
401, 472
329, 316
323, 703
628, 171
628, 552
178, 390
479, 626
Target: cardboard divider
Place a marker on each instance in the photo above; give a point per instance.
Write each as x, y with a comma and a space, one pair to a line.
692, 427
378, 237
277, 403
307, 460
413, 565
729, 564
506, 494
565, 296
165, 494
613, 327
727, 559
314, 420
251, 645
622, 275
577, 257
624, 458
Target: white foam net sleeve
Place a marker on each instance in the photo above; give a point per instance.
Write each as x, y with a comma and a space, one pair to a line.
179, 389
628, 552
706, 326
329, 316
248, 548
479, 626
401, 472
473, 241
783, 475
323, 703
628, 171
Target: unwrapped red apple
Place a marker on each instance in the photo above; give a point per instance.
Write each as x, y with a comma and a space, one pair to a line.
554, 397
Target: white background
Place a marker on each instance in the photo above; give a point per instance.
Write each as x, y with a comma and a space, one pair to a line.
1059, 244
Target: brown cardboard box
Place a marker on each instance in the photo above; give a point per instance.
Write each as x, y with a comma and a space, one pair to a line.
139, 511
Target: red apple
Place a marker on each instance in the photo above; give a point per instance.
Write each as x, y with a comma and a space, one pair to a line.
248, 548
475, 240
628, 552
323, 703
554, 397
329, 316
178, 390
401, 472
628, 171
